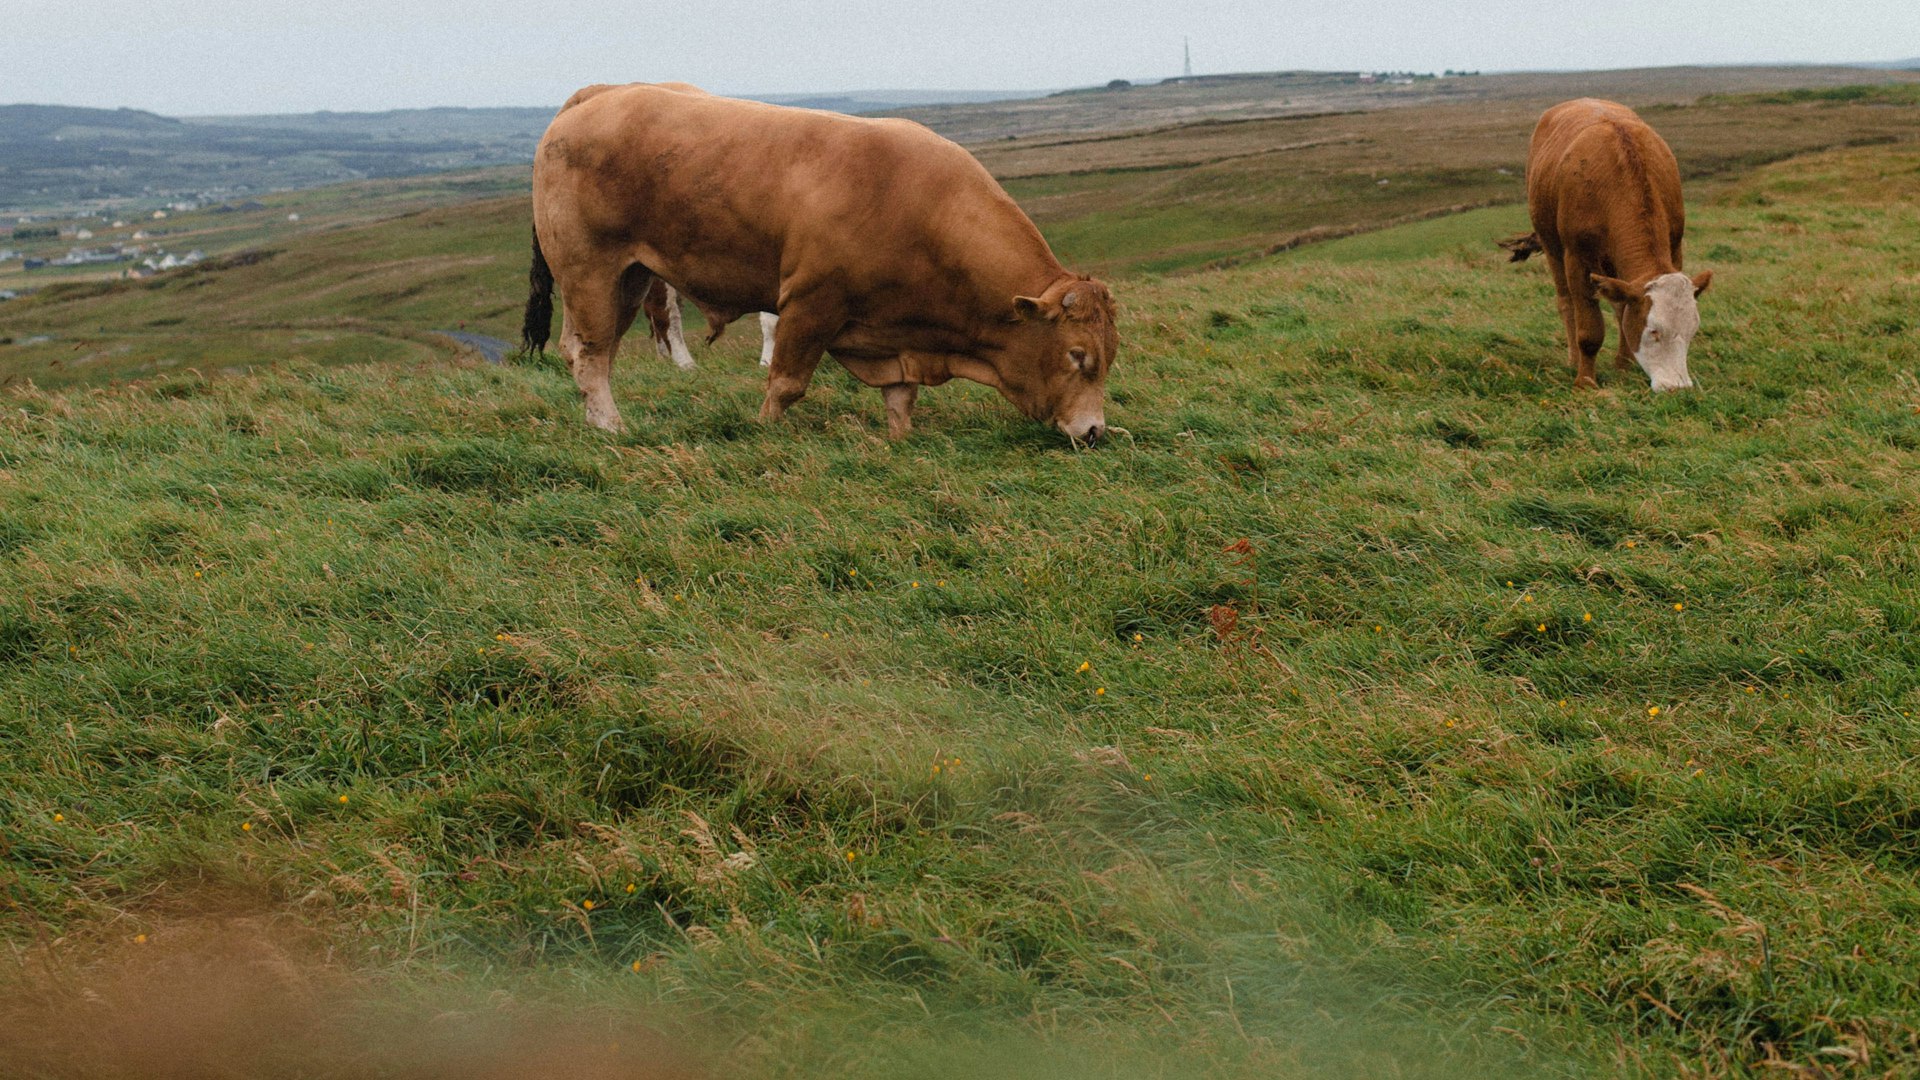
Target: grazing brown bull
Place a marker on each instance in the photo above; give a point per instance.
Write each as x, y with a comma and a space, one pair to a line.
1603, 190
875, 240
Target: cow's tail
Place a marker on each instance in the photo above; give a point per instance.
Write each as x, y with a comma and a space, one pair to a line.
538, 324
1518, 248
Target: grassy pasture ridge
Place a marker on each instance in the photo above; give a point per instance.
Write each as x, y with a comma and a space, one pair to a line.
373, 267
1379, 707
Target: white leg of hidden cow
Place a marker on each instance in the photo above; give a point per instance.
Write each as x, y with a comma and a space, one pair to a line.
676, 334
768, 320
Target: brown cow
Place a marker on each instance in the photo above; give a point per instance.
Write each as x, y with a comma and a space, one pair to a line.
1603, 190
876, 240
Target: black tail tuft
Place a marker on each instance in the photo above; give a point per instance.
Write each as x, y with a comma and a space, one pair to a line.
538, 324
1519, 247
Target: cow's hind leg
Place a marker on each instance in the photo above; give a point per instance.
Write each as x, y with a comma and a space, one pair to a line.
674, 333
654, 303
596, 314
899, 398
662, 306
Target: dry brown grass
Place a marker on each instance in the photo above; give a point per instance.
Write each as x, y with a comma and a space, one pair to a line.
212, 996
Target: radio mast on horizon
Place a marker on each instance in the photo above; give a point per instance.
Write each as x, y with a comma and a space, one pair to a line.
1186, 50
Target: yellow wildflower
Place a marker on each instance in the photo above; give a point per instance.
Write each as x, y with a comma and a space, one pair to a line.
1586, 616
1099, 691
59, 817
1084, 665
630, 887
246, 826
586, 905
1679, 607
343, 800
139, 939
1653, 710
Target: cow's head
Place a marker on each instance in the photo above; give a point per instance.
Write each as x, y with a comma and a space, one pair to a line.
1660, 317
1055, 369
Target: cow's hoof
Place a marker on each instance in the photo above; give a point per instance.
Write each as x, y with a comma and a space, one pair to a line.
1585, 382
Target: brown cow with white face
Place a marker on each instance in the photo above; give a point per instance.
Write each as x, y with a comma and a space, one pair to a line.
1603, 190
875, 240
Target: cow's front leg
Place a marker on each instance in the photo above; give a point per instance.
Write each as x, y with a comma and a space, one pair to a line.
899, 398
798, 343
1587, 327
1623, 359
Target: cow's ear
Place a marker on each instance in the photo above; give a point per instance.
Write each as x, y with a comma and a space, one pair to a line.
1701, 280
1615, 291
1033, 308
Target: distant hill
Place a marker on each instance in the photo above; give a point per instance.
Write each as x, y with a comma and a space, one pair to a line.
1897, 65
22, 121
65, 159
866, 101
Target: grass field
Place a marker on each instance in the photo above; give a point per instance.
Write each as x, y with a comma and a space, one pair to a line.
1380, 707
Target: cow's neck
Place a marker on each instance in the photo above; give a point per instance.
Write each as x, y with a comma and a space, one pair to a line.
1638, 248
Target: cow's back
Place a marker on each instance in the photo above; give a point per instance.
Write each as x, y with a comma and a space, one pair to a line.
1596, 174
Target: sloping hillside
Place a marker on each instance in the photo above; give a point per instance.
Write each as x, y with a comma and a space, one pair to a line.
1379, 707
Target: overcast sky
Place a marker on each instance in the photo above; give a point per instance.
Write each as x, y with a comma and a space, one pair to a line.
189, 57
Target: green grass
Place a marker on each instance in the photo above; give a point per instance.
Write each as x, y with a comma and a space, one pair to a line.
1453, 723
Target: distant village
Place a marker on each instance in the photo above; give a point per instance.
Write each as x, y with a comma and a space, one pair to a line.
144, 252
